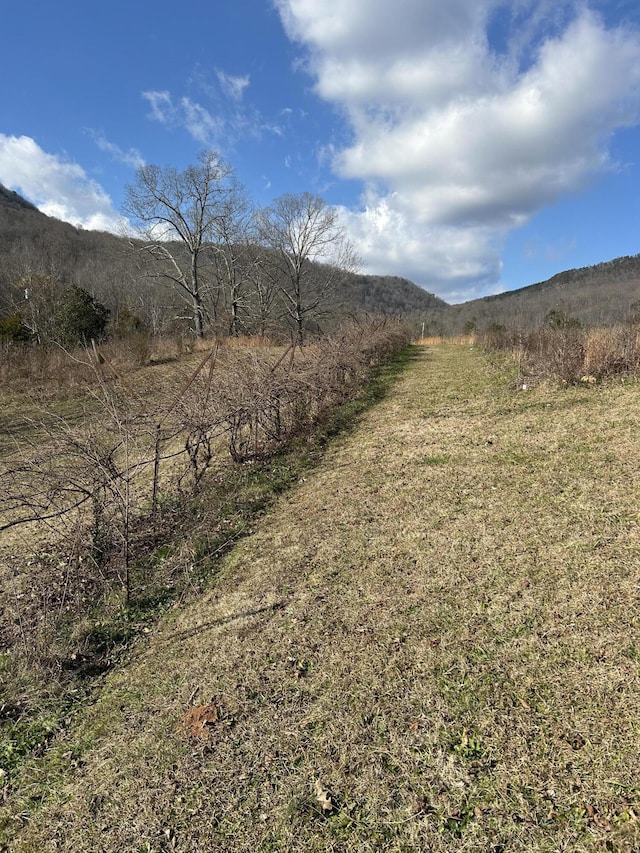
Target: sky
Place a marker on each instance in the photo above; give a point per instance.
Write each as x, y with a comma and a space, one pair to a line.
472, 146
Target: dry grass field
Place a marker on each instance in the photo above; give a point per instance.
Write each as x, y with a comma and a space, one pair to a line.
431, 642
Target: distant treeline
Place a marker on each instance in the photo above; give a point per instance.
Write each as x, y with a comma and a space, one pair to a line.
45, 262
49, 268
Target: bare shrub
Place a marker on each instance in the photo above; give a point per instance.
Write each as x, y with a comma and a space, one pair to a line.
91, 486
83, 472
609, 352
566, 353
548, 353
259, 403
557, 353
132, 351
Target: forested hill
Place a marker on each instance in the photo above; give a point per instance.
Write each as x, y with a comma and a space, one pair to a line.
10, 199
601, 294
385, 294
33, 245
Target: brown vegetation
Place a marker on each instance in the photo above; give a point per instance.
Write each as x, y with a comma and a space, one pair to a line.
566, 352
122, 466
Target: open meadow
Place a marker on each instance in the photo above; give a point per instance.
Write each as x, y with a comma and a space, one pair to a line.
430, 641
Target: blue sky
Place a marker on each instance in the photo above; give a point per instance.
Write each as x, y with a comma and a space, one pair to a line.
472, 146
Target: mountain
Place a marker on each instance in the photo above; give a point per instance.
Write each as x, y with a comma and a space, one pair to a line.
602, 294
32, 243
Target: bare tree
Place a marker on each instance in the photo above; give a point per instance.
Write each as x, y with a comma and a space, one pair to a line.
308, 253
263, 290
177, 215
232, 255
38, 298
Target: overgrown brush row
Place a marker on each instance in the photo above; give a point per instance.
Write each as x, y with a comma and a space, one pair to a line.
89, 499
258, 405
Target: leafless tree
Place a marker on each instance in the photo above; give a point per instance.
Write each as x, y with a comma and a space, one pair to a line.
308, 253
232, 251
177, 216
263, 290
38, 298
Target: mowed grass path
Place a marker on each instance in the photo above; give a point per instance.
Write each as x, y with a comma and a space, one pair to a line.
435, 637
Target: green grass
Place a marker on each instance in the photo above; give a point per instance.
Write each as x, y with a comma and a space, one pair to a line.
438, 623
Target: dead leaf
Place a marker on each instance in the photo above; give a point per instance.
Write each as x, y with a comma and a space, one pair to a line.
420, 805
198, 721
323, 797
595, 817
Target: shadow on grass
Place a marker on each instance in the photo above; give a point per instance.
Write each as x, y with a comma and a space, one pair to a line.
180, 636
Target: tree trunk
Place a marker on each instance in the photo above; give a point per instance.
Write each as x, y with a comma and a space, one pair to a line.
198, 315
235, 316
299, 316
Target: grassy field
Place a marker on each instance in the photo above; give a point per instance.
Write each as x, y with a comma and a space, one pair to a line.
431, 642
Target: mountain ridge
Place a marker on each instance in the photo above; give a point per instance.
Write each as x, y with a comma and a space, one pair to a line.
602, 293
14, 199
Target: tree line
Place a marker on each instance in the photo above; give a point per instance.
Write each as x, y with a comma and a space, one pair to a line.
199, 256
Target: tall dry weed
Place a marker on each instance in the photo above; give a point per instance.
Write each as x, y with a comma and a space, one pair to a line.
569, 354
614, 351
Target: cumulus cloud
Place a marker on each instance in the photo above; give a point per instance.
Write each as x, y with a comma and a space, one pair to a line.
56, 186
467, 118
445, 258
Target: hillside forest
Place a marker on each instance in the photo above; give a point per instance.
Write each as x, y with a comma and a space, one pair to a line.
200, 258
62, 283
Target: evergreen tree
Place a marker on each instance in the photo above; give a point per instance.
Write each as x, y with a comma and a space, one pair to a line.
81, 318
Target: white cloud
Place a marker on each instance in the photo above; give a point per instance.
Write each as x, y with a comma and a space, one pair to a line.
232, 86
199, 122
467, 118
162, 108
196, 119
132, 157
56, 186
218, 130
459, 262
